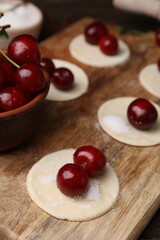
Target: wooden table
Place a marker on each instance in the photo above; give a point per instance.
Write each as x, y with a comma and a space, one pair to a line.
72, 124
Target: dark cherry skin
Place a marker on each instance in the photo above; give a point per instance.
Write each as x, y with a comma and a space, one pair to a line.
63, 78
30, 79
91, 159
48, 65
24, 49
2, 58
142, 114
157, 36
94, 31
3, 78
10, 71
72, 180
11, 98
108, 45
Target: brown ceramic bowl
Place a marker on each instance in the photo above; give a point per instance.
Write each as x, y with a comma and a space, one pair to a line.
18, 125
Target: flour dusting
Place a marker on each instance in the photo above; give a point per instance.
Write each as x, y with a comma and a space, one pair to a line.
101, 135
116, 123
94, 191
47, 179
87, 206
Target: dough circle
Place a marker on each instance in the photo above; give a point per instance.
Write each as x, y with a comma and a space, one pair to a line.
81, 83
41, 186
150, 79
92, 55
112, 116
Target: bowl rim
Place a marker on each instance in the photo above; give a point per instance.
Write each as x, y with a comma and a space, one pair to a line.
28, 106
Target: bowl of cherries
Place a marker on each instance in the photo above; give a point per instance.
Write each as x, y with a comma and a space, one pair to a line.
24, 85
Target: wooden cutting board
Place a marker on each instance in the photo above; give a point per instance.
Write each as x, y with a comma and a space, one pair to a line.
72, 124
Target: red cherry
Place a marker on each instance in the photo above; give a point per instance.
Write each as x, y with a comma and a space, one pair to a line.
30, 78
11, 98
142, 114
94, 31
3, 78
48, 65
157, 36
24, 49
63, 78
91, 159
108, 45
2, 58
10, 71
72, 180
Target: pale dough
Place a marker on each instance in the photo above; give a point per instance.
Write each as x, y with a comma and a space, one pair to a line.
112, 116
41, 186
150, 79
92, 55
81, 83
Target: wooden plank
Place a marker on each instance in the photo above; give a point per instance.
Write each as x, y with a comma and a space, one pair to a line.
72, 124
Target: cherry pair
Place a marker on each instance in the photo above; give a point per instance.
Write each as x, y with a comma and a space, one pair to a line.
61, 77
72, 178
96, 33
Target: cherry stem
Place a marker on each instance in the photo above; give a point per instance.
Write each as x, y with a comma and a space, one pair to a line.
10, 60
5, 26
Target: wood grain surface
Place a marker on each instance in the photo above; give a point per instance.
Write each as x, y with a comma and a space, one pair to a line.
72, 124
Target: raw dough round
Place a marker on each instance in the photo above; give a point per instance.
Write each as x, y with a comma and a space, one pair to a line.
150, 79
92, 55
81, 83
41, 186
112, 116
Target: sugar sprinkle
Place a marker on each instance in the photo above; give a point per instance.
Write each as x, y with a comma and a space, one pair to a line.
116, 123
94, 191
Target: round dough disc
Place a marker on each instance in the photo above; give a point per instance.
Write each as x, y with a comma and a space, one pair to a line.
112, 116
150, 79
92, 55
81, 83
41, 186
